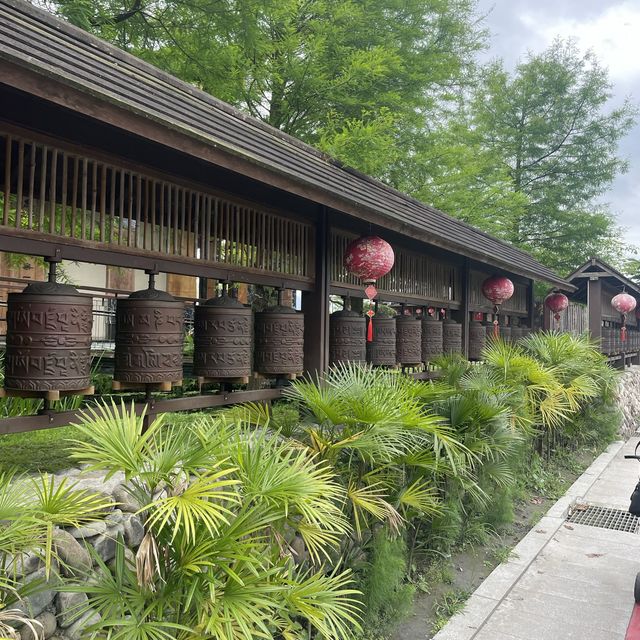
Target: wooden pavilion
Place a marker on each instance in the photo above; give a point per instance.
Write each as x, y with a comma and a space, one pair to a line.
109, 160
596, 283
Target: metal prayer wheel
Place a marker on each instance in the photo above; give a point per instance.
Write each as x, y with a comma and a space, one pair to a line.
149, 338
606, 340
347, 337
408, 340
222, 339
616, 343
279, 341
477, 340
382, 351
431, 338
451, 336
516, 333
489, 330
48, 338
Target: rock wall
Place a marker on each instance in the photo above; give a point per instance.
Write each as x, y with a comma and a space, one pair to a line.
629, 401
56, 611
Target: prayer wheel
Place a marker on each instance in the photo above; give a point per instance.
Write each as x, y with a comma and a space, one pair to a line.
382, 351
279, 341
347, 337
48, 343
452, 336
431, 339
222, 339
505, 331
149, 338
516, 333
477, 340
605, 340
408, 340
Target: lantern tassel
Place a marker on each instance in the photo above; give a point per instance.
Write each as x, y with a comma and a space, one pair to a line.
496, 322
370, 329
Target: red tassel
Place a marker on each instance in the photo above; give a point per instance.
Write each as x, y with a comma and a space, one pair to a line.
623, 333
370, 330
496, 329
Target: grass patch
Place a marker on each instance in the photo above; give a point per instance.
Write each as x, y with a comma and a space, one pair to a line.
46, 450
452, 602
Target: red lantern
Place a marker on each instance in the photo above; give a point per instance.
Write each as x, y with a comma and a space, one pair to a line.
556, 302
623, 303
369, 258
497, 289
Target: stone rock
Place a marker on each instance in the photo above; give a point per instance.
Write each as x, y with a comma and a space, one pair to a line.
105, 547
133, 531
114, 518
48, 628
89, 530
24, 564
628, 400
130, 559
126, 502
70, 607
94, 481
74, 558
76, 630
35, 603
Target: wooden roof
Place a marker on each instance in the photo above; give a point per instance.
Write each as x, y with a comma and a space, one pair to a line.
34, 40
597, 268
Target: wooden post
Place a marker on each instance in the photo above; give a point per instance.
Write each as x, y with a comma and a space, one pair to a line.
464, 308
594, 305
315, 304
531, 305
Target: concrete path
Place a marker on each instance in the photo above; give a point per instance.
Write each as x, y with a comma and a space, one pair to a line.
565, 581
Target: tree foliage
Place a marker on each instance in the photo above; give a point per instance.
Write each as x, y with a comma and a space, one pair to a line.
558, 139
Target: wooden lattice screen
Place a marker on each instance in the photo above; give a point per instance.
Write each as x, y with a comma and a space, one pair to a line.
59, 192
414, 274
516, 304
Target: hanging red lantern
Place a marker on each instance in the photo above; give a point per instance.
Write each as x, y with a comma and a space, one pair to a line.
497, 289
623, 303
556, 302
369, 258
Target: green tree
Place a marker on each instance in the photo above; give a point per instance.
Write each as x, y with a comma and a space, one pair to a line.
307, 67
551, 125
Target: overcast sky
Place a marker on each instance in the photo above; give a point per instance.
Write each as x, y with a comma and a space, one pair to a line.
611, 28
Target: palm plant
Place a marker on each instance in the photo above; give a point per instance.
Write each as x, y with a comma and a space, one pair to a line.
223, 506
30, 510
371, 425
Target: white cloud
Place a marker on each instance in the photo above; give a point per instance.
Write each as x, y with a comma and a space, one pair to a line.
613, 35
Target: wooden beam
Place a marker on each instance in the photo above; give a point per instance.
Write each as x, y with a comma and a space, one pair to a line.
315, 304
594, 305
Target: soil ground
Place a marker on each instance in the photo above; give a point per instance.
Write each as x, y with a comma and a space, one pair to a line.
465, 570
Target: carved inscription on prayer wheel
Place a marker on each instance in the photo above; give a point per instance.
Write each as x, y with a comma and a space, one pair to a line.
408, 340
279, 341
382, 351
48, 339
451, 336
149, 338
347, 337
477, 340
431, 339
222, 339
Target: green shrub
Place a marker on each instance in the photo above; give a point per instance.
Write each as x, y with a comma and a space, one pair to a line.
387, 596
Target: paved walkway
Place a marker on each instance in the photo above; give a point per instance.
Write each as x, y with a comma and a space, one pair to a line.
565, 581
